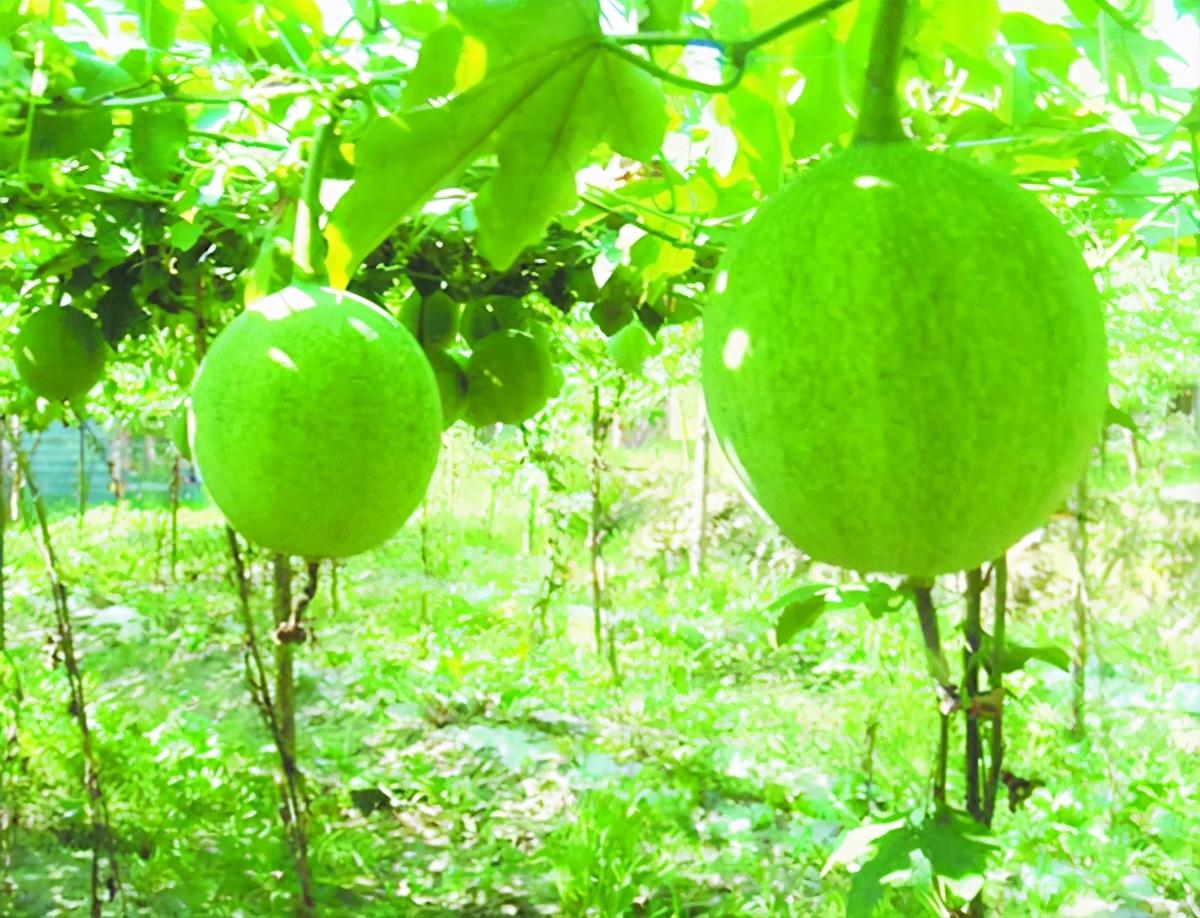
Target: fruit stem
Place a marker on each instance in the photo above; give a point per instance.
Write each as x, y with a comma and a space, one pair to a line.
308, 248
879, 117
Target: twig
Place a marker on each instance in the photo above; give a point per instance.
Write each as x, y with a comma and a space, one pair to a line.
96, 803
947, 699
735, 52
996, 686
1079, 655
973, 629
293, 812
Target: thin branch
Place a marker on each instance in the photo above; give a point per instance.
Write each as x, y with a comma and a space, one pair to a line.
96, 802
292, 813
996, 686
1117, 16
648, 230
735, 52
947, 700
974, 638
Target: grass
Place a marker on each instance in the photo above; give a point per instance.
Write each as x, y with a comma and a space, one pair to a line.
463, 762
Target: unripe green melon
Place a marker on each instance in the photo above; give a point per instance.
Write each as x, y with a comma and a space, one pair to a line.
451, 382
433, 319
905, 361
316, 423
59, 353
510, 377
492, 314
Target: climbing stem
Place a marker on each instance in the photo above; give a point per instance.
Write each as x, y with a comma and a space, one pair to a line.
973, 631
936, 662
879, 118
294, 812
996, 686
735, 53
103, 838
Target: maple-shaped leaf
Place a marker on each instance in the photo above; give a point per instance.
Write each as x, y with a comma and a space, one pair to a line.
550, 95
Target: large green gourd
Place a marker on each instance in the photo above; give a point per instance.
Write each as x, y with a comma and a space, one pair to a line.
59, 353
316, 423
905, 361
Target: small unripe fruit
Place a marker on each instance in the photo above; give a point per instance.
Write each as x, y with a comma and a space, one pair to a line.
60, 353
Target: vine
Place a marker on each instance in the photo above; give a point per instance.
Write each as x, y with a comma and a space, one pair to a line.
735, 53
96, 805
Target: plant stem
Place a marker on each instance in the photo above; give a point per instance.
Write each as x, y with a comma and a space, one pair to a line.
996, 685
879, 119
176, 487
293, 813
308, 243
595, 535
96, 803
83, 480
1079, 656
938, 669
700, 498
973, 629
737, 52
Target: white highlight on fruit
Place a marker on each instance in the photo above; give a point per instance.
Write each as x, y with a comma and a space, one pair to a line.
872, 181
736, 346
364, 329
721, 281
279, 357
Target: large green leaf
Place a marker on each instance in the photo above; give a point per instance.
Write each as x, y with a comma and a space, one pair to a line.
156, 136
948, 845
551, 94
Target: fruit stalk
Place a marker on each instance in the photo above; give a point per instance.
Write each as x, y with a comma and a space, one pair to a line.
879, 117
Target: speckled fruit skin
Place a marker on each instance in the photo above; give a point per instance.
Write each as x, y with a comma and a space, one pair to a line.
315, 423
451, 383
905, 361
509, 378
60, 353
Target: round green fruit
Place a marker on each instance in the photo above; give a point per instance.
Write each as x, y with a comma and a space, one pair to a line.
487, 316
433, 319
510, 377
59, 353
630, 347
316, 423
904, 360
451, 383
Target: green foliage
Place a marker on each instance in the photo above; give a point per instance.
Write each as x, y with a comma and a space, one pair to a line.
60, 353
871, 451
316, 423
630, 347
